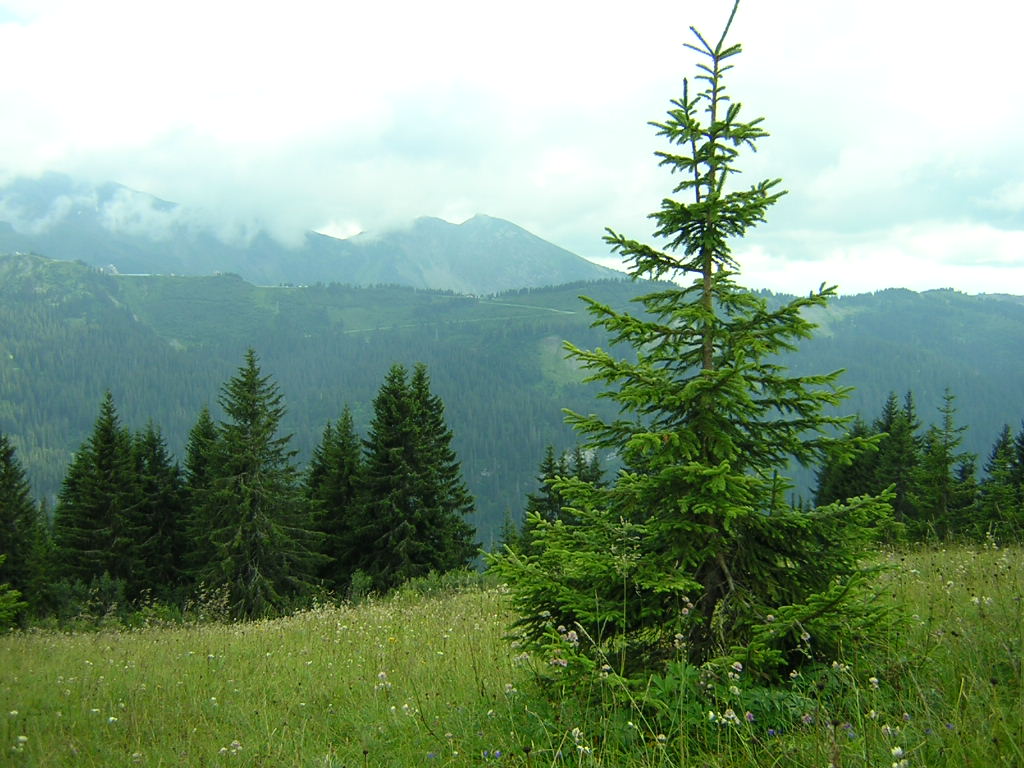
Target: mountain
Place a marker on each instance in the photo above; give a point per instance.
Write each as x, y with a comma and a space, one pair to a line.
164, 345
112, 225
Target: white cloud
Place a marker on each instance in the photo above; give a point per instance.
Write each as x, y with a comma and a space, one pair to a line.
355, 116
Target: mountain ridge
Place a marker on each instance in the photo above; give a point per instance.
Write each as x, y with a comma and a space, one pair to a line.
163, 345
112, 225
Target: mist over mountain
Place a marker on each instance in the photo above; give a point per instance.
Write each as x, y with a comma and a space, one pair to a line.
112, 225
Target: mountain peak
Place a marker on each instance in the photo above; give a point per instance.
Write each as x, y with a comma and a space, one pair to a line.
110, 224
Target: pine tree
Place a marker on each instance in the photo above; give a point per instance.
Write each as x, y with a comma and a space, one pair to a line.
265, 550
548, 504
159, 520
392, 536
841, 478
333, 483
199, 550
694, 542
899, 453
1017, 468
92, 521
444, 491
936, 498
997, 510
10, 601
21, 527
965, 497
412, 520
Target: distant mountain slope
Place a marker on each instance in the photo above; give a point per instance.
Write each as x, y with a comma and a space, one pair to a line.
137, 233
163, 346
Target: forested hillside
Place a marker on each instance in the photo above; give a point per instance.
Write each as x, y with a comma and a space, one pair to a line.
163, 346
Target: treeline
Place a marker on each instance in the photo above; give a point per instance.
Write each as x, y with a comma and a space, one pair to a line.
937, 490
239, 526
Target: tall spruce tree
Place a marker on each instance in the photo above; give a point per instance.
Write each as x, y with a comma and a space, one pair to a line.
265, 551
202, 438
694, 543
412, 520
997, 510
899, 452
333, 482
938, 500
444, 491
21, 527
93, 524
392, 532
159, 516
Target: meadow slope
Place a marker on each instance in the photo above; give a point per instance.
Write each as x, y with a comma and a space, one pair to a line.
430, 679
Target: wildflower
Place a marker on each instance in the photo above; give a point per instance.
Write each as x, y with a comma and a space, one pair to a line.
572, 637
661, 738
748, 716
23, 739
734, 690
111, 719
737, 667
13, 713
897, 751
807, 719
805, 636
558, 662
874, 682
770, 618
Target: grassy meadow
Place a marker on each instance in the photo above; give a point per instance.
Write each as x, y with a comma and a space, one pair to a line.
429, 679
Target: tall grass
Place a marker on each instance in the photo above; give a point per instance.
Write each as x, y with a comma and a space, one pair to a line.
431, 680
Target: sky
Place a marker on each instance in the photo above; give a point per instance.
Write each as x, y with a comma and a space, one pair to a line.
897, 127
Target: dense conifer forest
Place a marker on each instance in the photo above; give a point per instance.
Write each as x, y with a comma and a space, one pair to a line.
163, 346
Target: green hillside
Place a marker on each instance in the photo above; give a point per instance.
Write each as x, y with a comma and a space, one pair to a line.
163, 346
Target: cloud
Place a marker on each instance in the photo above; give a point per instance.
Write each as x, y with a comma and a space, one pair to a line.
131, 213
29, 220
349, 117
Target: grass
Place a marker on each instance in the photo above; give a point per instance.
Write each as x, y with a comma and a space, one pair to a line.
430, 680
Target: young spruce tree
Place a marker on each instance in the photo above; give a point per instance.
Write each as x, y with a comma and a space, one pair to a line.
693, 549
